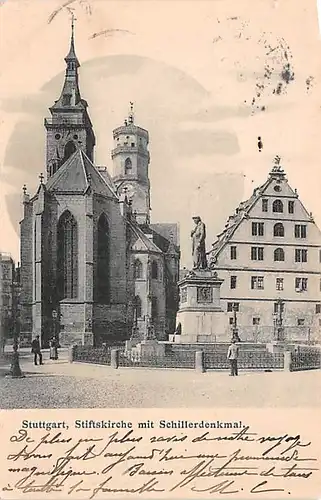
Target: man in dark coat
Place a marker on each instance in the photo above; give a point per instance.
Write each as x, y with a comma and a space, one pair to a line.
35, 349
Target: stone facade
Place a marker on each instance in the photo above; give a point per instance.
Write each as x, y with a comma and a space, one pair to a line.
268, 254
6, 297
84, 234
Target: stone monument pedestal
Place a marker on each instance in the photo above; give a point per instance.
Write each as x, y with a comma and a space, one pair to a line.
276, 346
200, 314
145, 349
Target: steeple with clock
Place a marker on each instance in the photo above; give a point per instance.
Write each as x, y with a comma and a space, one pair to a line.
131, 160
69, 127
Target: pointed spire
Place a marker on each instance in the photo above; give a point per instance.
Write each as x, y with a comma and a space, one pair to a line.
70, 96
71, 56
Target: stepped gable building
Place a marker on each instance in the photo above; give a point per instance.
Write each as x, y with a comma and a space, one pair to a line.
269, 256
93, 266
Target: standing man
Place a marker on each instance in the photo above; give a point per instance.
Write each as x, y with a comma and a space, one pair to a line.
35, 349
232, 355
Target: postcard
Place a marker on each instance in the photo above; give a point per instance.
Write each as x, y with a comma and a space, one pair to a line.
160, 249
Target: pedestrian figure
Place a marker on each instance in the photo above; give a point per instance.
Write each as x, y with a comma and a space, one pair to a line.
35, 349
53, 344
232, 355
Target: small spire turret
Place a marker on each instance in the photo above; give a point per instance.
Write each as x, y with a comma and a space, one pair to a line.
131, 113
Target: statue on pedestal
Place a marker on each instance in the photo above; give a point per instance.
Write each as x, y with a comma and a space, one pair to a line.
198, 236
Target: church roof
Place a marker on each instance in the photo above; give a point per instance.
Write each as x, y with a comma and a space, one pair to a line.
77, 174
142, 242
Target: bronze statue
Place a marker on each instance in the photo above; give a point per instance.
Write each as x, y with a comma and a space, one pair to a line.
198, 235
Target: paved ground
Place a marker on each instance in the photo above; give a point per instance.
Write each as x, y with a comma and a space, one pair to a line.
60, 384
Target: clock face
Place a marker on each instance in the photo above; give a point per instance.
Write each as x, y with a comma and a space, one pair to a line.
128, 190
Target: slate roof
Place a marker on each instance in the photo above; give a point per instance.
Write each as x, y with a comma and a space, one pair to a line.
77, 174
142, 243
236, 219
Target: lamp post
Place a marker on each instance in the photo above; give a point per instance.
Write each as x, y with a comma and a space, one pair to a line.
278, 321
134, 333
235, 332
15, 370
54, 315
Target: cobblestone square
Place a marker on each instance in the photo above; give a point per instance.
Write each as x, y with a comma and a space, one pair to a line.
62, 384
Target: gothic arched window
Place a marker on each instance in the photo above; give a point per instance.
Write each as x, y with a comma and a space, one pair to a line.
278, 229
128, 166
277, 206
138, 269
70, 148
279, 254
67, 256
154, 270
138, 306
103, 261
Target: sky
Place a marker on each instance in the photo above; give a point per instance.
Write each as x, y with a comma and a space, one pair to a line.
207, 78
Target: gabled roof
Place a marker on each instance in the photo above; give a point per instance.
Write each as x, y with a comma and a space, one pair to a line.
163, 235
142, 242
242, 212
235, 220
77, 174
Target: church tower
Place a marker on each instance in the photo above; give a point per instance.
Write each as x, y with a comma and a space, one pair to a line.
69, 127
131, 159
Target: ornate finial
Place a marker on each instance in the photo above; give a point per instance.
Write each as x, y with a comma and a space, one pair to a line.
73, 19
41, 178
24, 189
277, 160
277, 167
125, 189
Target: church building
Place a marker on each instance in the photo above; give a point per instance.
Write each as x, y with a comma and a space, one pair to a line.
93, 266
269, 255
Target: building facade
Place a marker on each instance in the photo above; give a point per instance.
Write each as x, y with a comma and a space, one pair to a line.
7, 273
92, 264
269, 256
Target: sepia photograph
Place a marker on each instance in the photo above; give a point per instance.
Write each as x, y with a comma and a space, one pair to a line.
160, 177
